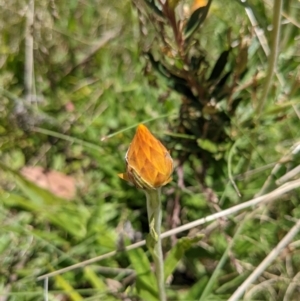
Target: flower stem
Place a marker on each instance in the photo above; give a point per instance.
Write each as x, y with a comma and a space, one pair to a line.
154, 219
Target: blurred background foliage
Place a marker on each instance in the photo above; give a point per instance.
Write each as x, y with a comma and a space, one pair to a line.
101, 67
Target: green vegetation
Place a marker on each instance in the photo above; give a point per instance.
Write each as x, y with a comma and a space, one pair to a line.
76, 79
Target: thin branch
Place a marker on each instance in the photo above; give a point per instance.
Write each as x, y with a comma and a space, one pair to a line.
267, 197
275, 194
273, 55
272, 176
266, 262
217, 270
291, 174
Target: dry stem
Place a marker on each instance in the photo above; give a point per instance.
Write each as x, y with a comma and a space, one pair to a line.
275, 194
266, 262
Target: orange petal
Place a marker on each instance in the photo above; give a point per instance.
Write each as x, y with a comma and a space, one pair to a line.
148, 159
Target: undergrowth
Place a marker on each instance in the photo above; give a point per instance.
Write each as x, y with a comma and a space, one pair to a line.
91, 83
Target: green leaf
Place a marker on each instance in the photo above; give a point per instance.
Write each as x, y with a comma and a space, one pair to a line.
5, 243
242, 60
196, 19
231, 285
98, 283
173, 81
39, 196
16, 159
52, 238
14, 200
67, 288
158, 66
68, 216
94, 279
177, 253
220, 65
208, 145
146, 285
196, 290
71, 218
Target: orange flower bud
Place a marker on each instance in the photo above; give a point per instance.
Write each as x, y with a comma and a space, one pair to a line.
148, 163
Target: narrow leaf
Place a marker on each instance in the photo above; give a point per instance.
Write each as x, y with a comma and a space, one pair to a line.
177, 253
67, 288
145, 280
196, 290
152, 5
231, 285
220, 65
94, 279
70, 217
208, 145
196, 19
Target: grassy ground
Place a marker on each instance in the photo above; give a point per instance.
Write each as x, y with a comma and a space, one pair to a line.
76, 111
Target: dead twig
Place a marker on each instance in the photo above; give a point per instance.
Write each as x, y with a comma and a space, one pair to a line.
266, 262
287, 187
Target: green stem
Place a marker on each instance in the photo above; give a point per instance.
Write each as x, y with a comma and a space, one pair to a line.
212, 281
273, 55
154, 219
